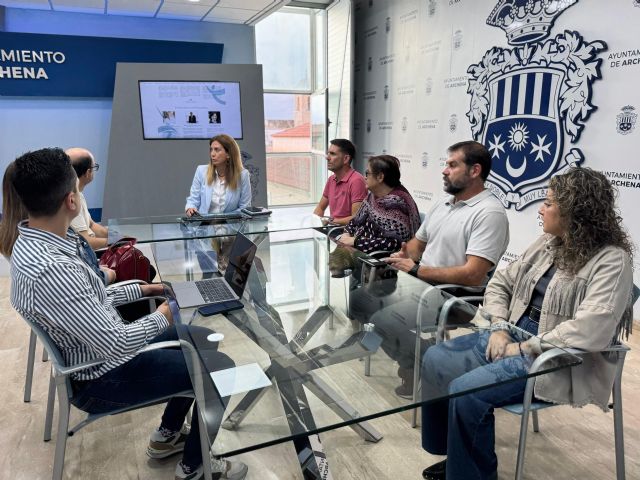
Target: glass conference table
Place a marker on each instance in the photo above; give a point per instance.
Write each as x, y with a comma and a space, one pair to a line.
169, 227
301, 364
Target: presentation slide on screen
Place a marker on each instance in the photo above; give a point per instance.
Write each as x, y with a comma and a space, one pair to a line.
175, 110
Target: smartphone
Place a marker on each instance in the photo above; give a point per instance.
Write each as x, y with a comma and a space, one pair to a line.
373, 262
221, 307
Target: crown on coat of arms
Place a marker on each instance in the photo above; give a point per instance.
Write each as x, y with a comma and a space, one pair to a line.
526, 21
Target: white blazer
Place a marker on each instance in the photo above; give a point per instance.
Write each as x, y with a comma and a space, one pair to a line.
200, 194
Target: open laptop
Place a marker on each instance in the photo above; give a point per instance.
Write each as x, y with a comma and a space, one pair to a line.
221, 289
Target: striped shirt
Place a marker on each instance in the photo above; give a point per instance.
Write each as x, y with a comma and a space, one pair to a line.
52, 287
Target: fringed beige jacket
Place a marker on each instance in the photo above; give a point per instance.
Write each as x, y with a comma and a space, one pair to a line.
588, 310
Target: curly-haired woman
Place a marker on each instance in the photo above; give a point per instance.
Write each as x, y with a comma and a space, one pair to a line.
570, 288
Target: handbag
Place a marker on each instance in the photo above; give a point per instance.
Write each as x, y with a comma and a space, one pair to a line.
128, 262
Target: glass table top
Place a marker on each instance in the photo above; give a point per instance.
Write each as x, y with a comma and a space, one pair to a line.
304, 342
170, 227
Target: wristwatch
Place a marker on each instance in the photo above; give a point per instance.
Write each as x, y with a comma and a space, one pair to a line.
414, 270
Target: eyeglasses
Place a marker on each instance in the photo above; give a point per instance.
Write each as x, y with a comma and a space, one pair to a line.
367, 173
95, 167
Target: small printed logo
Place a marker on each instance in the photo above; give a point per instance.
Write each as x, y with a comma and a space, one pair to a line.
428, 86
404, 125
369, 64
387, 25
368, 125
626, 120
431, 8
457, 39
453, 122
386, 92
425, 160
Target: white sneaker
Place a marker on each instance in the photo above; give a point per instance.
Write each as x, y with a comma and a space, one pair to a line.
164, 443
228, 470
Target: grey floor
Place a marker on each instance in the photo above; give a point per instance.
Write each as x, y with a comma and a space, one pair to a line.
572, 444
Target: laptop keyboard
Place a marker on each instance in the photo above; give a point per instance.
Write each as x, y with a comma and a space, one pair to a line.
214, 290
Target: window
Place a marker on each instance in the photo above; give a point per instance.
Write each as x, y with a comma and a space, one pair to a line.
283, 47
287, 46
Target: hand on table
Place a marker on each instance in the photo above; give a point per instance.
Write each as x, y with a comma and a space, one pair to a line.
191, 211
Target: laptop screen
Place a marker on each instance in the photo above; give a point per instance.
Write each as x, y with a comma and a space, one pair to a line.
240, 261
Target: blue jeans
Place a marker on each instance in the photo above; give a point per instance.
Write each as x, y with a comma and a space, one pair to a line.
155, 374
463, 427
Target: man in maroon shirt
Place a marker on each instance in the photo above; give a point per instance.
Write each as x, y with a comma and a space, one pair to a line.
345, 189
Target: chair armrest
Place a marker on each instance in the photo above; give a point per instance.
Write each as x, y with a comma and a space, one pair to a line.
127, 282
64, 371
443, 317
331, 234
468, 288
552, 354
160, 345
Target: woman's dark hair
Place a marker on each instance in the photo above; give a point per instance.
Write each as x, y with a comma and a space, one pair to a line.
387, 165
13, 212
587, 203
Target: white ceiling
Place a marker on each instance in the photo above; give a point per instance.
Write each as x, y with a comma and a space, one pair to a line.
226, 11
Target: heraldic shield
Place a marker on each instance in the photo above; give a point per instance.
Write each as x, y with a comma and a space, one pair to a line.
523, 131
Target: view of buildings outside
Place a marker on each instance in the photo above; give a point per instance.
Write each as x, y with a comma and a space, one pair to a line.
288, 143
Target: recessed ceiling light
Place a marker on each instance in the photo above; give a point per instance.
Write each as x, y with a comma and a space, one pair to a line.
194, 1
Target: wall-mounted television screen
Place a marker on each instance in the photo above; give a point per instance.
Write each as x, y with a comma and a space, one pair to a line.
190, 110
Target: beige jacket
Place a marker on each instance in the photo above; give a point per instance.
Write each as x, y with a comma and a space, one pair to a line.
581, 311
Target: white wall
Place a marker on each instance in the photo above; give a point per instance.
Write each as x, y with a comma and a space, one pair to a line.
28, 123
422, 52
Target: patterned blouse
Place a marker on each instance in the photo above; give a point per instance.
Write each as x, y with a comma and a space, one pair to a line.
384, 223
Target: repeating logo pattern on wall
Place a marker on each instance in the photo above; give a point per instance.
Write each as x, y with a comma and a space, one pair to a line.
626, 120
526, 99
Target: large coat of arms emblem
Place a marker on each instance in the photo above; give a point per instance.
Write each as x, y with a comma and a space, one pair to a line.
529, 100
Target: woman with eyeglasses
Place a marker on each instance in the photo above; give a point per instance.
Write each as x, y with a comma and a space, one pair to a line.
388, 216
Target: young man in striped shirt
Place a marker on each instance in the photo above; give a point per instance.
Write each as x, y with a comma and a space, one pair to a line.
54, 288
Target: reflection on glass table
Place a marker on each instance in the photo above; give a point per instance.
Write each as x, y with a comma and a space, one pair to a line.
296, 373
172, 227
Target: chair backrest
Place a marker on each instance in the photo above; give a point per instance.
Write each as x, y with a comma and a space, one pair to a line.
57, 360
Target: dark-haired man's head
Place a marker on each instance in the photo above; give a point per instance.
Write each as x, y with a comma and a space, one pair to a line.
340, 154
43, 179
468, 166
83, 163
